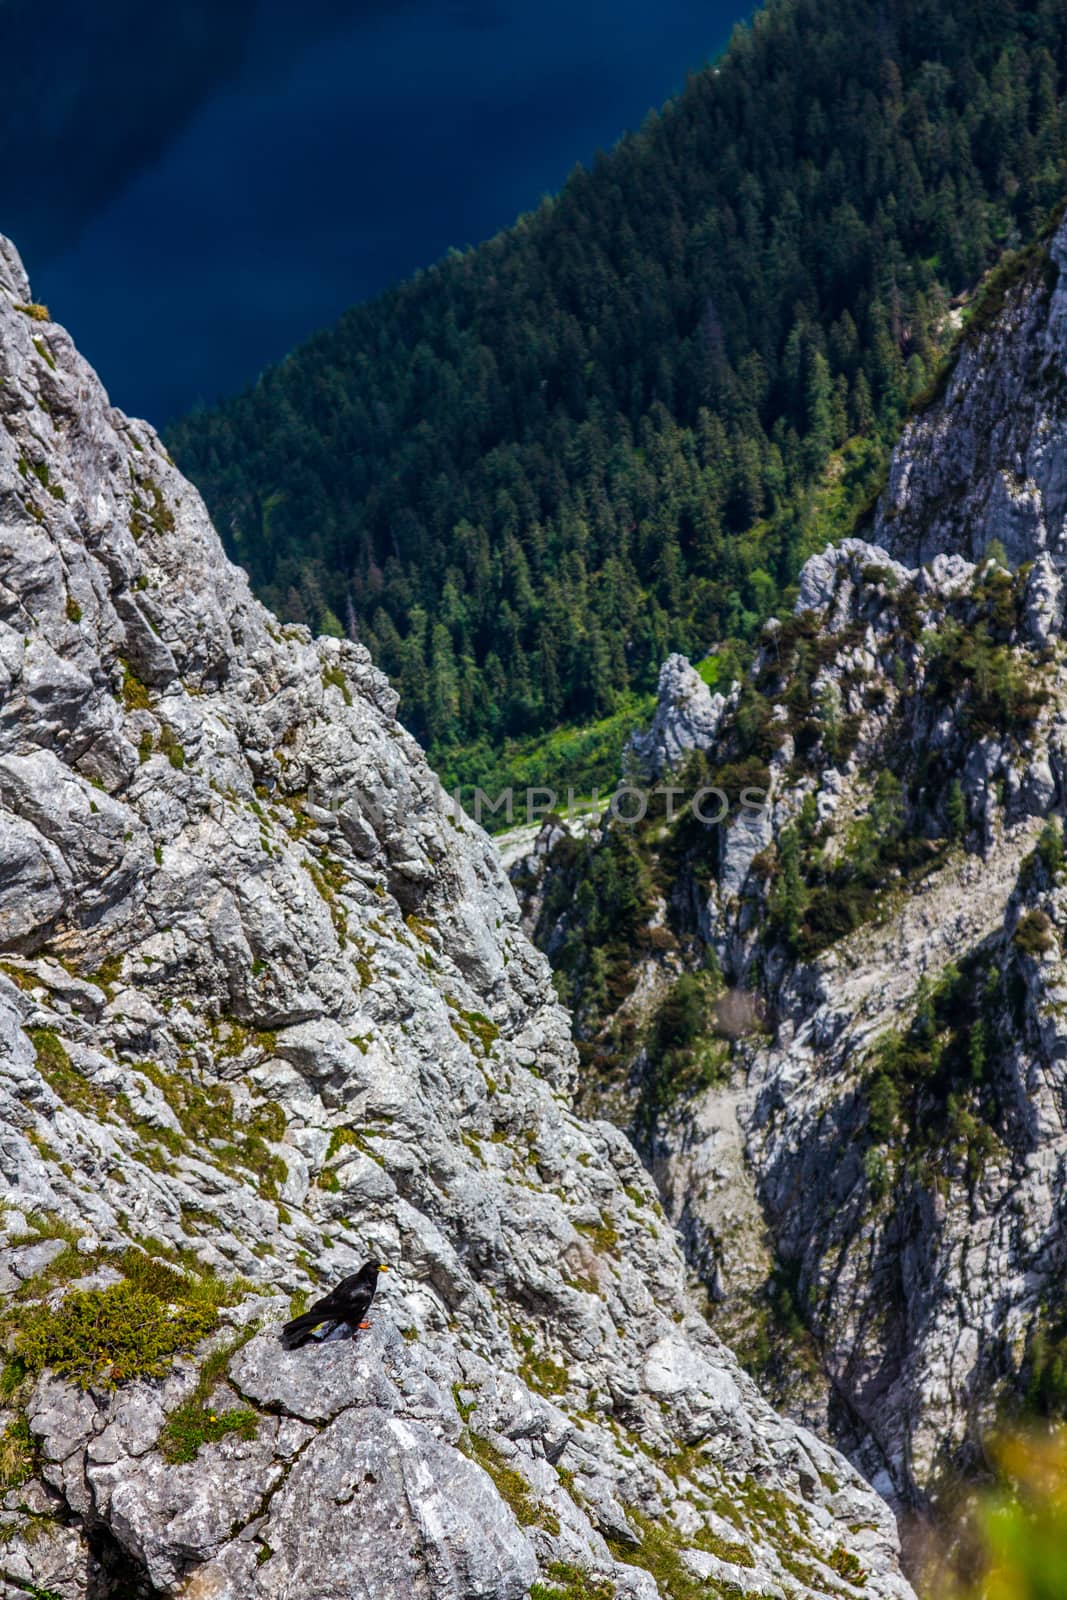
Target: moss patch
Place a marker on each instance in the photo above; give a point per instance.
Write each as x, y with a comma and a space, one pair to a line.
171, 746
847, 1566
603, 1235
109, 1335
334, 678
473, 1027
107, 974
659, 1552
731, 1550
207, 1117
58, 1071
135, 696
539, 1371
106, 1336
152, 514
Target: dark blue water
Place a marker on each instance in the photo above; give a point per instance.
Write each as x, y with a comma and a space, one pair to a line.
272, 181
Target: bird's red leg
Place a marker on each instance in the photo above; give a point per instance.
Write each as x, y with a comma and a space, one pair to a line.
366, 1324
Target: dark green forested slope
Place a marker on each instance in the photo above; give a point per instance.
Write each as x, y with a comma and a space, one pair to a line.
533, 470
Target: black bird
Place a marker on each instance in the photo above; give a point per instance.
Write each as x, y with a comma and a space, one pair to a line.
348, 1303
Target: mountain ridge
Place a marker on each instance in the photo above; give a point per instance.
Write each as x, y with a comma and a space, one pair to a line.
266, 1009
867, 1172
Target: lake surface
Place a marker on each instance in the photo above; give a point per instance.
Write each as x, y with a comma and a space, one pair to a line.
290, 173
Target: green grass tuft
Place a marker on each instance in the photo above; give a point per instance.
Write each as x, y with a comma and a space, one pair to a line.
58, 1071
568, 1582
17, 1454
511, 1485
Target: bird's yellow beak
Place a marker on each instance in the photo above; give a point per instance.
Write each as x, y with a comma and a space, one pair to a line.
382, 1267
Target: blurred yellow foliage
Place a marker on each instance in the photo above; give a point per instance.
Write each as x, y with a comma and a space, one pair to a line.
1025, 1526
1016, 1548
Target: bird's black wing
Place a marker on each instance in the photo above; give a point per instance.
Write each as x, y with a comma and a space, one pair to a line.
357, 1303
348, 1302
331, 1305
349, 1299
296, 1333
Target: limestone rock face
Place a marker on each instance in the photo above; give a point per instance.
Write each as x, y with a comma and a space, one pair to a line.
926, 1240
687, 717
988, 461
266, 1009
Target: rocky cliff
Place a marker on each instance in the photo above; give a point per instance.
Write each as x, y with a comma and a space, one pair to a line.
266, 1009
837, 1027
987, 460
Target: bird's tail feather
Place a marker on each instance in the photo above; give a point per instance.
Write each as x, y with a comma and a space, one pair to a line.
299, 1331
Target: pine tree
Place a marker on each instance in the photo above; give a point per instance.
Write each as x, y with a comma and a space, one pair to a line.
650, 370
819, 416
789, 894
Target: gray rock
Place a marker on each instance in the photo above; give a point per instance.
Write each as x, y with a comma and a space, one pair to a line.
687, 717
385, 1508
988, 461
748, 832
1044, 602
315, 1383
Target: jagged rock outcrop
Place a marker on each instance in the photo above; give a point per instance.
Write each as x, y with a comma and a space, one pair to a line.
895, 1115
904, 1126
988, 460
265, 1009
686, 718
